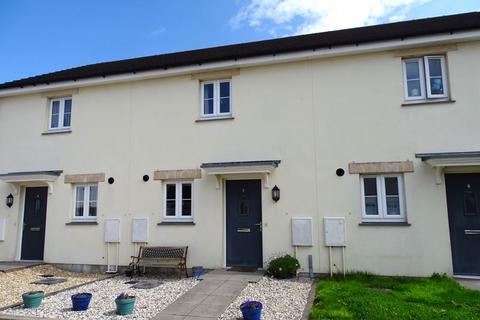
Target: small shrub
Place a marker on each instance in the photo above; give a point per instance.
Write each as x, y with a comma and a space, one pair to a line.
438, 276
124, 296
283, 267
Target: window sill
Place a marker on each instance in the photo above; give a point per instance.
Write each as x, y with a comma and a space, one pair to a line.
215, 118
426, 102
176, 223
57, 131
81, 223
386, 224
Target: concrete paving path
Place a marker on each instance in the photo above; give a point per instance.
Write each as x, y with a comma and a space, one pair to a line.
473, 284
209, 299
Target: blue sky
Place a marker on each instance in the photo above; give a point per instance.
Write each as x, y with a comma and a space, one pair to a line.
40, 36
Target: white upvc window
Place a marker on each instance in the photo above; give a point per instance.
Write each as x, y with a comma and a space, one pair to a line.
216, 98
383, 198
178, 200
85, 202
60, 116
425, 78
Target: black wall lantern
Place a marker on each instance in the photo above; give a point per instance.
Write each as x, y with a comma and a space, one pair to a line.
9, 201
275, 194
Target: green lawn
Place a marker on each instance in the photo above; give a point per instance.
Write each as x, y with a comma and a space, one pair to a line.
368, 297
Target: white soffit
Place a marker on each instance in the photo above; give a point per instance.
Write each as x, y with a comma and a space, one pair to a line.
441, 160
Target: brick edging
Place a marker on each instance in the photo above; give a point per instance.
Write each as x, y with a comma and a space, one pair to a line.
310, 300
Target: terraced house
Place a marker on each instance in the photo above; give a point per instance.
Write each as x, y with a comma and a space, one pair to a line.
243, 151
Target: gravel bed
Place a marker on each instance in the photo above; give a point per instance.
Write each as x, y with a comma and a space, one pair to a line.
281, 299
148, 302
13, 284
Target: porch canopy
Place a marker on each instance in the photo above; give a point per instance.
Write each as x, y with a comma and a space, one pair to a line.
264, 167
31, 178
441, 160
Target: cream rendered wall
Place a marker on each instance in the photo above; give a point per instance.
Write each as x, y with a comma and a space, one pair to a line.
315, 116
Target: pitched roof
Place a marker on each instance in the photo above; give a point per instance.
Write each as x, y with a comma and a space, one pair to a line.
398, 30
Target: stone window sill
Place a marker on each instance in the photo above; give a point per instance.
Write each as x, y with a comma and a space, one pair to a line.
176, 223
426, 102
57, 131
214, 119
82, 223
385, 224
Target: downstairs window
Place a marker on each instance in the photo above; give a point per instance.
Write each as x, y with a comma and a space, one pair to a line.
382, 198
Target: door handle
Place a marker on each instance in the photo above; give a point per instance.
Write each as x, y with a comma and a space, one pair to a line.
259, 225
472, 232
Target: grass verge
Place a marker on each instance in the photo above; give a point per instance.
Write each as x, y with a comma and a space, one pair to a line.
363, 296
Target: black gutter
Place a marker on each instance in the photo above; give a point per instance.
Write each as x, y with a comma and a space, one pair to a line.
355, 36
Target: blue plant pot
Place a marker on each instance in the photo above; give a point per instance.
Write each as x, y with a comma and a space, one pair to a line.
32, 299
80, 301
125, 306
197, 272
251, 314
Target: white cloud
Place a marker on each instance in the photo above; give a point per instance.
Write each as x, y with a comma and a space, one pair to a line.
308, 16
156, 32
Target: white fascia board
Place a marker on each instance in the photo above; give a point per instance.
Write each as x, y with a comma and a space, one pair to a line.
254, 61
239, 170
29, 178
453, 162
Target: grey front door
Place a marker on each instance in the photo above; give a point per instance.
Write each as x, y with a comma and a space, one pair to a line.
244, 223
463, 201
34, 218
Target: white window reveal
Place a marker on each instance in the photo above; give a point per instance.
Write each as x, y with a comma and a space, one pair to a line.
86, 198
216, 98
178, 200
425, 78
382, 198
60, 114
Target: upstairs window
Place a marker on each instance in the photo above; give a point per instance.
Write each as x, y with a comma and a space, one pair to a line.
382, 198
60, 114
216, 98
86, 197
425, 78
178, 200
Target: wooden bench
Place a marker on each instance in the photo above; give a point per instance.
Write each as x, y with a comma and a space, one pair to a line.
167, 257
